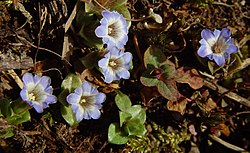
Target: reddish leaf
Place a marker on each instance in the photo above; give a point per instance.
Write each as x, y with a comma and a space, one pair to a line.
221, 128
168, 90
179, 106
148, 94
189, 76
209, 105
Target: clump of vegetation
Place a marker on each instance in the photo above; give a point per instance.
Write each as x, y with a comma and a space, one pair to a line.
159, 139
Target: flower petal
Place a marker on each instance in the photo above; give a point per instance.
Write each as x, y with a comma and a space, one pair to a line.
86, 88
51, 99
101, 31
36, 78
123, 73
204, 51
100, 98
103, 63
73, 98
45, 81
208, 36
109, 75
225, 33
219, 59
79, 114
217, 34
127, 57
49, 90
24, 94
95, 114
28, 79
37, 107
110, 15
115, 52
122, 41
232, 49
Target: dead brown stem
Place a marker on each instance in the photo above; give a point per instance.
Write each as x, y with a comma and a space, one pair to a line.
226, 92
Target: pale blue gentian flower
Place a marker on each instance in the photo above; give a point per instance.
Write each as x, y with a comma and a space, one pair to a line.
86, 102
37, 91
115, 65
113, 29
217, 45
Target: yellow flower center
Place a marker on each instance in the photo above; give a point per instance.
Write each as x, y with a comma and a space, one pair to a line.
110, 30
32, 96
83, 101
112, 64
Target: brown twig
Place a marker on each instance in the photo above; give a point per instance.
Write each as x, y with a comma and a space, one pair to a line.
40, 48
226, 92
71, 18
226, 144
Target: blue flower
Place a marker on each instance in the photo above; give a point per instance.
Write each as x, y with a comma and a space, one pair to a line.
113, 29
115, 65
37, 91
86, 102
217, 45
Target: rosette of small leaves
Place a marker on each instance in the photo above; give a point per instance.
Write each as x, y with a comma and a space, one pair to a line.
158, 140
132, 119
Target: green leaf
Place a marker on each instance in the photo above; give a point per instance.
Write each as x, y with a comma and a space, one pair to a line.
124, 116
135, 127
122, 101
168, 69
122, 9
211, 67
5, 107
116, 135
148, 80
154, 57
18, 106
90, 60
62, 97
71, 82
235, 65
189, 76
16, 119
6, 133
86, 23
68, 115
137, 112
168, 90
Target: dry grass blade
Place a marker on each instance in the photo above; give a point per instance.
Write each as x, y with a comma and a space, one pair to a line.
226, 144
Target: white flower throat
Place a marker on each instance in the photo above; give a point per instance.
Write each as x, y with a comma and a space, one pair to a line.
219, 46
87, 101
113, 30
